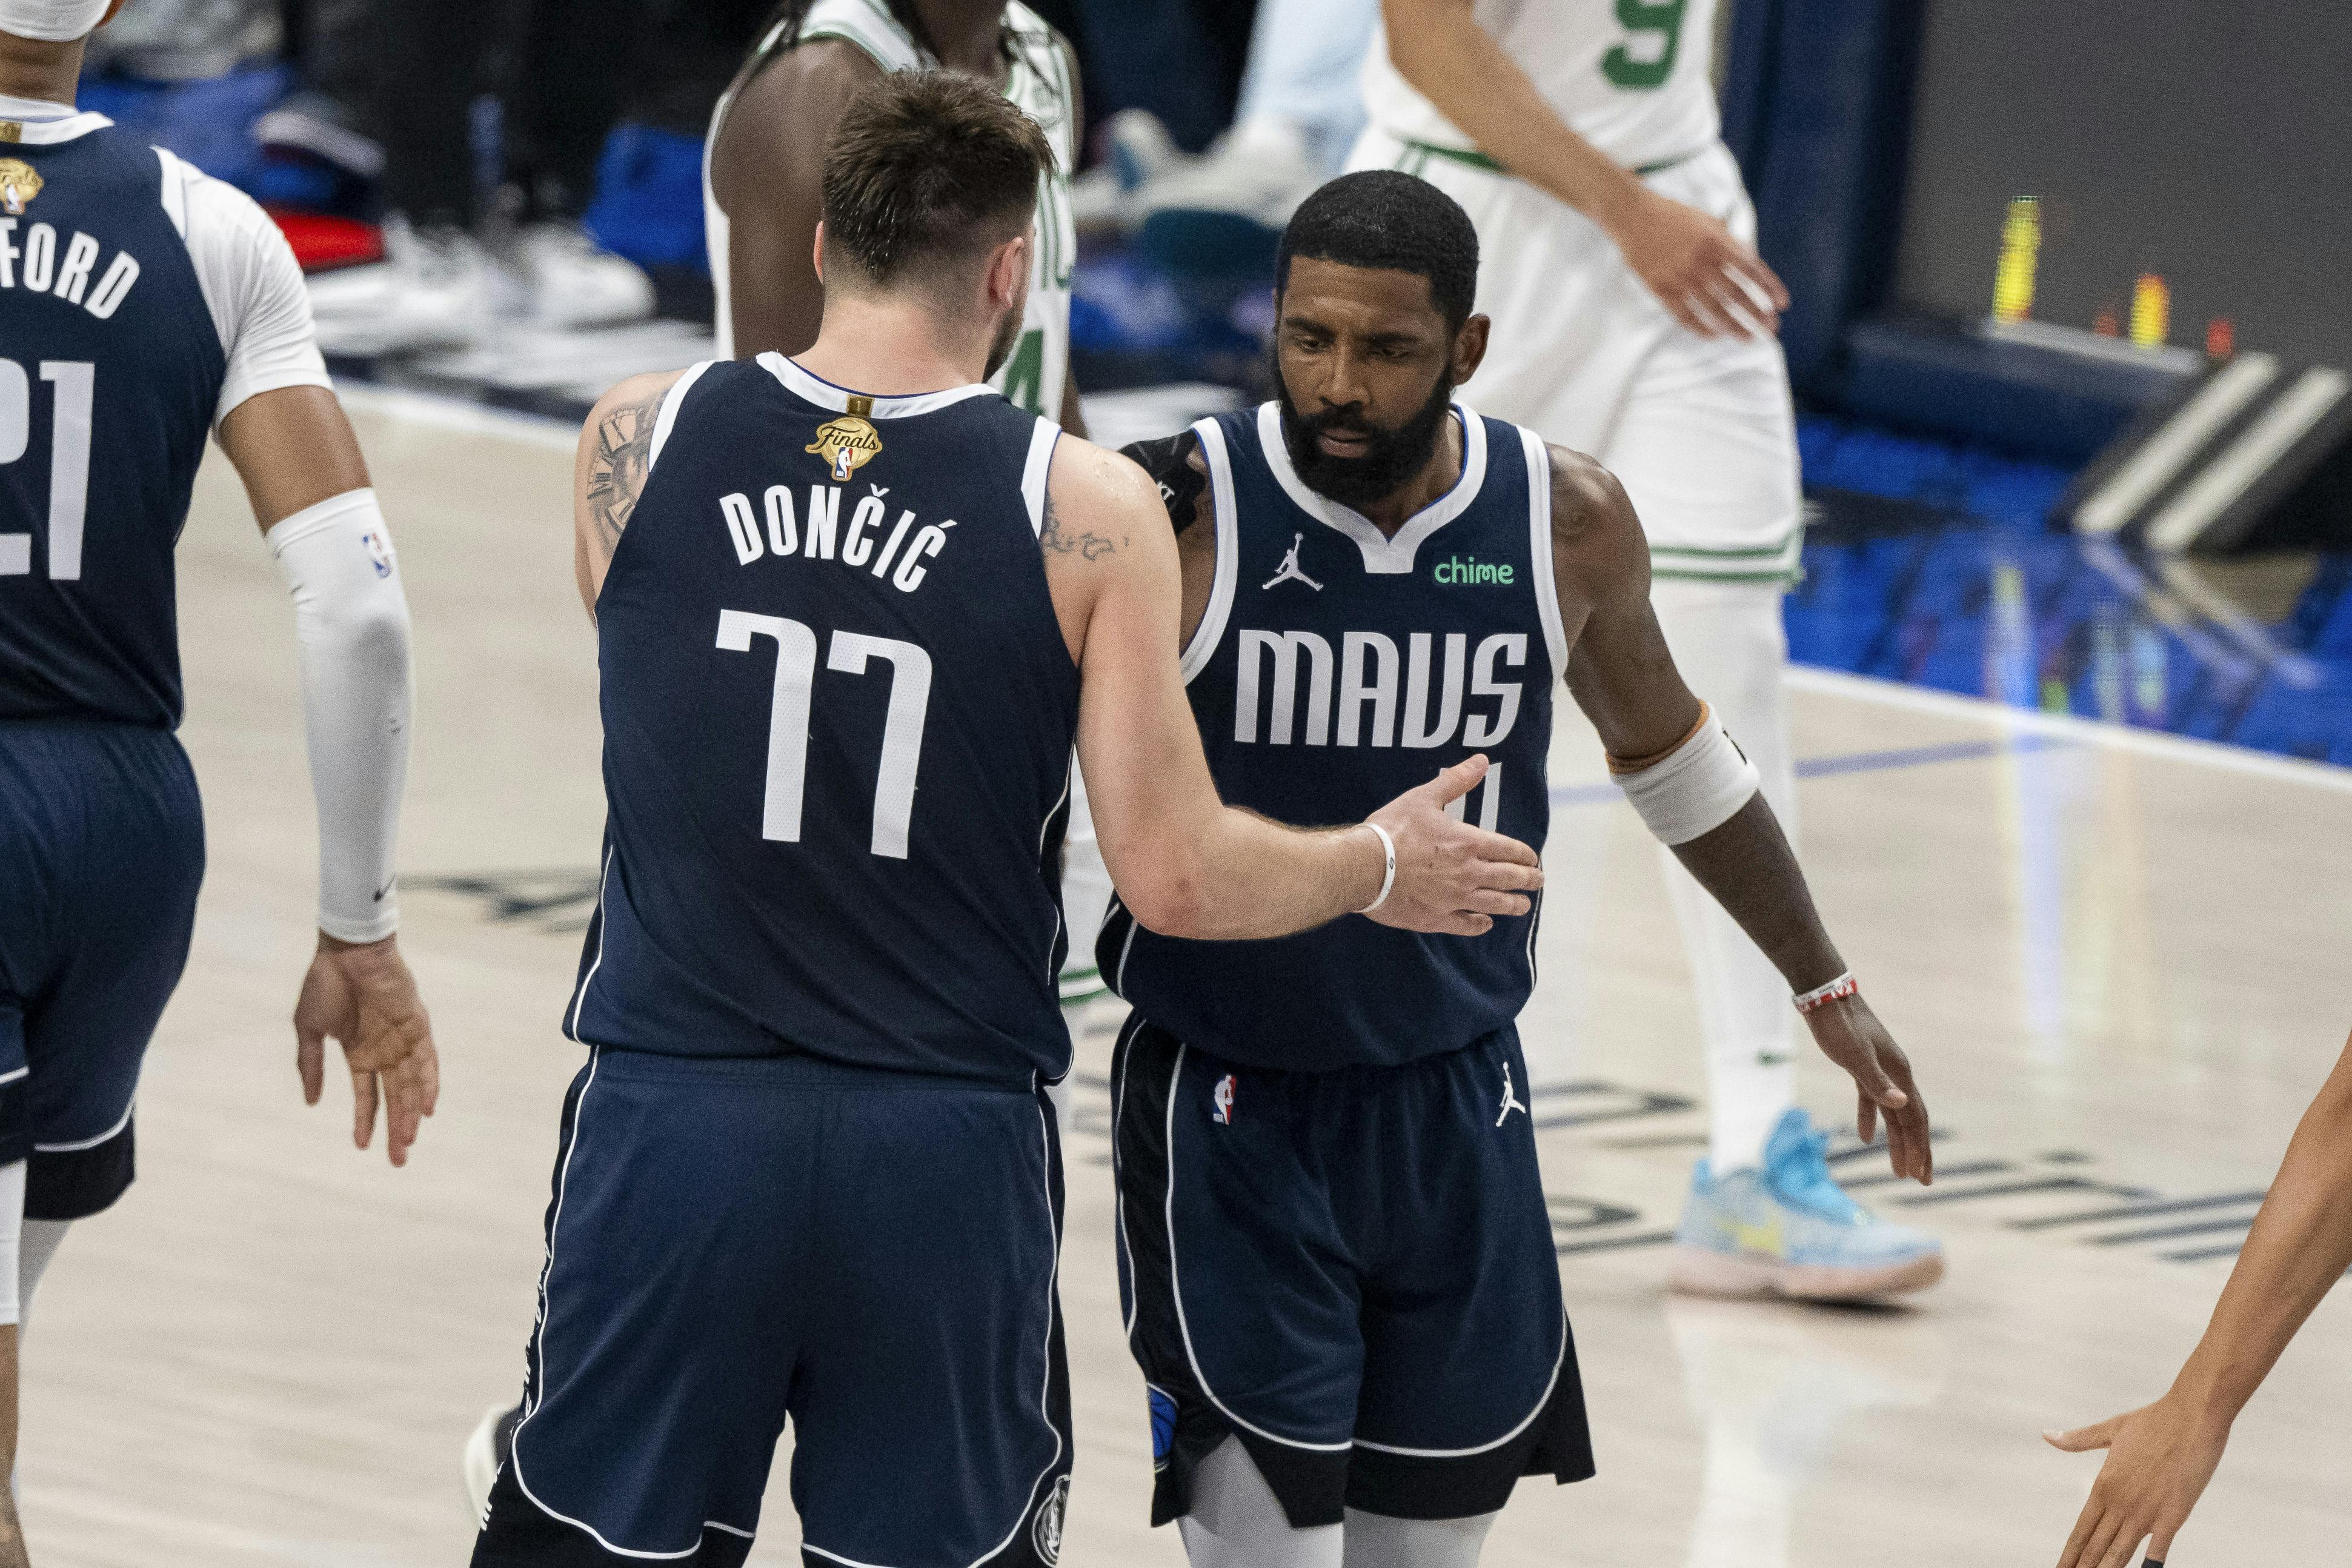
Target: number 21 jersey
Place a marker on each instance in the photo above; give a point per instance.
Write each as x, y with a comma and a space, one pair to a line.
838, 711
141, 302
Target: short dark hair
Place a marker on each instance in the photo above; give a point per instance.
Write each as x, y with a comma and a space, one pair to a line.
1396, 222
928, 169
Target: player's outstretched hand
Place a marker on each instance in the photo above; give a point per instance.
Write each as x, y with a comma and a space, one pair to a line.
2159, 1457
1850, 1034
1451, 877
1698, 269
362, 996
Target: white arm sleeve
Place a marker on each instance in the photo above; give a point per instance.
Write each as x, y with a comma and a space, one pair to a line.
251, 283
351, 621
12, 1233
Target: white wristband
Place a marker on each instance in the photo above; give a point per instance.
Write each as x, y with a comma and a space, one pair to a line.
1821, 996
1388, 877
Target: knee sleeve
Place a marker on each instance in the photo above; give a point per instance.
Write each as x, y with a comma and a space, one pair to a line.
1236, 1522
1376, 1541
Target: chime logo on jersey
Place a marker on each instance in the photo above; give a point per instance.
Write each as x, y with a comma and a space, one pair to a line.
1457, 572
19, 184
848, 443
1221, 1101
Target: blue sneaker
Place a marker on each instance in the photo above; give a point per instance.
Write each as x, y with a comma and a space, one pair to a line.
1788, 1230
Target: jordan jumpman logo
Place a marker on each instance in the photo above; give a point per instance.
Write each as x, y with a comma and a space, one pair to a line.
1510, 1098
1289, 571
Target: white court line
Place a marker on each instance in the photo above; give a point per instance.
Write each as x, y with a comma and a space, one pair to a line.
441, 413
452, 413
2094, 731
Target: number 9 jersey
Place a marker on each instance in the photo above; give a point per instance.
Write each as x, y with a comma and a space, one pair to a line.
1633, 78
838, 711
141, 302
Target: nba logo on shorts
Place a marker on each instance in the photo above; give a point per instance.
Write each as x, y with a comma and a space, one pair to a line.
379, 552
1221, 1099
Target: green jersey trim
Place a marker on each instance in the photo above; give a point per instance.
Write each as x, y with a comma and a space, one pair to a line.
1470, 157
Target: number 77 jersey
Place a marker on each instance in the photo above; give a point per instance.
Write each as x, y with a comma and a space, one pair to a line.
838, 712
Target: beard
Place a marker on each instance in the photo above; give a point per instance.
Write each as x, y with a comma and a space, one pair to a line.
1391, 459
1008, 333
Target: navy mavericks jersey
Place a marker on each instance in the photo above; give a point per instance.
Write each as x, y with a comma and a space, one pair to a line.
110, 368
838, 711
1334, 669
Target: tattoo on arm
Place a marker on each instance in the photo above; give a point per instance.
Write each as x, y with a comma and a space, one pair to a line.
616, 472
1082, 541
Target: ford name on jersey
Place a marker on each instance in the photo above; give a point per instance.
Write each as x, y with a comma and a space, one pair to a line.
37, 264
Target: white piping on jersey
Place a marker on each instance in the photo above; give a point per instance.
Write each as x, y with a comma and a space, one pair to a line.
1045, 1396
1042, 442
1212, 629
813, 388
24, 1071
1547, 586
1383, 556
1176, 1290
666, 420
48, 131
176, 174
1118, 1188
589, 979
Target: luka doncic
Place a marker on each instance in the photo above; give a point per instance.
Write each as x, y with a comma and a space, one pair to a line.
852, 609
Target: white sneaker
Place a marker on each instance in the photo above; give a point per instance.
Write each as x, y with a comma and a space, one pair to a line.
432, 290
486, 1451
568, 280
1260, 170
1138, 153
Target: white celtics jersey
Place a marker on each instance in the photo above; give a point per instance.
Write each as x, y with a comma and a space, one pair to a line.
1040, 86
1632, 76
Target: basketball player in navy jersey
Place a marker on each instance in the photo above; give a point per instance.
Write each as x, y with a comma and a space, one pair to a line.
1333, 1235
144, 306
853, 609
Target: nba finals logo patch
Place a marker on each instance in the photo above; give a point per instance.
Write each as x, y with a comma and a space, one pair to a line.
1047, 1534
848, 443
19, 184
1221, 1101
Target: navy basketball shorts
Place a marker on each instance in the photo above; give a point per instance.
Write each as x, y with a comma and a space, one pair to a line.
101, 852
1352, 1272
736, 1241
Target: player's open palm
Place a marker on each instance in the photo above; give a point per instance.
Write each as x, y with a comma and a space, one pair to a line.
1715, 285
1451, 877
1850, 1034
2159, 1458
363, 998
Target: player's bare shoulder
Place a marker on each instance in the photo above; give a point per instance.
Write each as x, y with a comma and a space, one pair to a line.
783, 105
1097, 501
1597, 546
608, 473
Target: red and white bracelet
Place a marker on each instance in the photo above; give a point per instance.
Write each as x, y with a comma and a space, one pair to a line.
1821, 996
